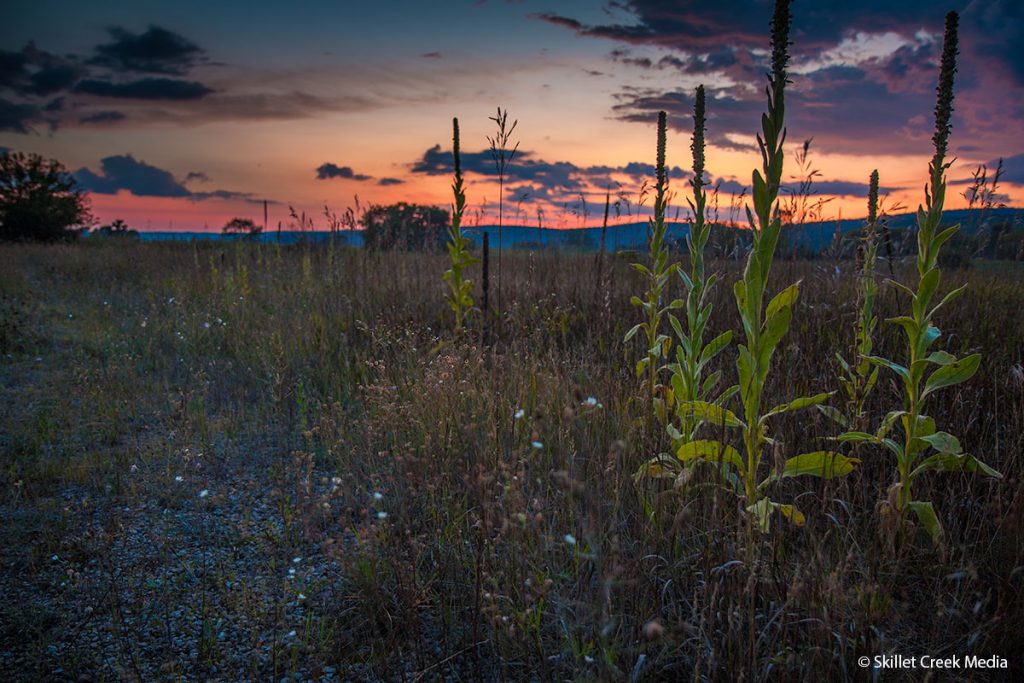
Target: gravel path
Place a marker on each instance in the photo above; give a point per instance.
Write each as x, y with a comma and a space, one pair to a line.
198, 578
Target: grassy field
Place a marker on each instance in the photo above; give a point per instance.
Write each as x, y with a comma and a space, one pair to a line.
242, 462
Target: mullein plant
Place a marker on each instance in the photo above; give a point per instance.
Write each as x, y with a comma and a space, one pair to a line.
763, 329
459, 288
924, 447
859, 375
689, 385
656, 344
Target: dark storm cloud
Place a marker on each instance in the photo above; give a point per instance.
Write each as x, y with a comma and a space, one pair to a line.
881, 103
696, 26
12, 68
146, 89
995, 33
196, 177
436, 161
53, 79
328, 170
125, 172
106, 116
524, 167
387, 182
20, 118
1013, 171
36, 73
729, 186
839, 107
111, 72
841, 188
158, 51
541, 180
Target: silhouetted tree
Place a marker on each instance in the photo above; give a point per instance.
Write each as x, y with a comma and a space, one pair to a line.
118, 228
39, 200
405, 226
242, 226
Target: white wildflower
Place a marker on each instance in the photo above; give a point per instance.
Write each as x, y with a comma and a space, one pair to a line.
204, 493
570, 539
537, 444
519, 414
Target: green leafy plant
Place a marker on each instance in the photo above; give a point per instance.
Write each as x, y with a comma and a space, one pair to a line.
692, 355
924, 447
763, 328
460, 298
657, 273
859, 376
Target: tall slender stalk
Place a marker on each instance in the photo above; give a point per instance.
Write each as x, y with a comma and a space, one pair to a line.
762, 335
692, 356
858, 376
599, 280
502, 156
657, 273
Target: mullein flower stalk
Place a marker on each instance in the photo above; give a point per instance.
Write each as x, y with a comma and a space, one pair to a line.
924, 447
460, 298
656, 344
692, 356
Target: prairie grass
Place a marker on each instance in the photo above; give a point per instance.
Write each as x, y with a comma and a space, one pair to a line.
278, 463
314, 388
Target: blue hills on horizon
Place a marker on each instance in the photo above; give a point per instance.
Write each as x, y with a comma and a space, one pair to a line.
812, 237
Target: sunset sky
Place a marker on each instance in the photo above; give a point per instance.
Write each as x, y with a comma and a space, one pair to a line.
185, 114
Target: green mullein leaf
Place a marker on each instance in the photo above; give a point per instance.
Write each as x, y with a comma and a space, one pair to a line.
943, 442
925, 513
784, 299
895, 367
952, 373
710, 413
824, 464
799, 404
711, 451
835, 415
955, 462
